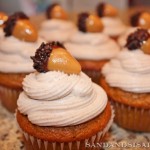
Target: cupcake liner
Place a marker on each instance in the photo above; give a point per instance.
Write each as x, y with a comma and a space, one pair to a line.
132, 118
94, 75
33, 143
9, 97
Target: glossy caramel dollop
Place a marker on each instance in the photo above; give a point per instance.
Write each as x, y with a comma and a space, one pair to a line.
55, 11
144, 20
104, 9
24, 30
146, 46
3, 18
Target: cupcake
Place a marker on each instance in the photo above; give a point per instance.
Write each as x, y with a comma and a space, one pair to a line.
57, 25
60, 108
90, 46
16, 47
113, 26
138, 20
3, 18
126, 80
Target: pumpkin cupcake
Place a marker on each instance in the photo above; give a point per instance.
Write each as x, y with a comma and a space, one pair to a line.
16, 47
60, 108
3, 18
113, 26
126, 80
137, 20
90, 46
57, 25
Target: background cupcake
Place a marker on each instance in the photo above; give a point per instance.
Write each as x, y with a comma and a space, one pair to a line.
90, 46
60, 106
3, 18
57, 26
16, 47
113, 26
138, 20
127, 83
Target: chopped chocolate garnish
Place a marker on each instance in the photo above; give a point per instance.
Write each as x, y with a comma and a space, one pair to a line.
134, 20
136, 39
100, 9
42, 55
49, 9
82, 21
10, 23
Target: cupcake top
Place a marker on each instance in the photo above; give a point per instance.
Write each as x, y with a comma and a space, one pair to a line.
89, 42
137, 20
18, 44
3, 18
109, 16
59, 94
130, 70
57, 24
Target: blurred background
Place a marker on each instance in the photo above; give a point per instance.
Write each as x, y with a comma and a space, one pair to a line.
32, 7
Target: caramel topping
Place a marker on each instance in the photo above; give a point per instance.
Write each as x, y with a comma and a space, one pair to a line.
94, 24
55, 11
108, 10
146, 46
3, 18
53, 56
61, 60
24, 30
144, 20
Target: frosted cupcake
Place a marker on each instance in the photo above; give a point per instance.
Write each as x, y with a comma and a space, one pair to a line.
3, 18
90, 46
60, 107
16, 47
57, 26
127, 82
138, 20
113, 26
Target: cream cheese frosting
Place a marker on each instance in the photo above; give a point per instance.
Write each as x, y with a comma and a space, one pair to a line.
1, 33
56, 30
129, 71
113, 26
15, 55
92, 46
58, 99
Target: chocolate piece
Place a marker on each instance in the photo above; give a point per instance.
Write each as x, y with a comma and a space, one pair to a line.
82, 21
100, 9
42, 55
10, 23
49, 9
134, 20
136, 39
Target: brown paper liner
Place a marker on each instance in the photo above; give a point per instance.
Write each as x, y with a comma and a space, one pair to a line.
33, 143
132, 118
10, 88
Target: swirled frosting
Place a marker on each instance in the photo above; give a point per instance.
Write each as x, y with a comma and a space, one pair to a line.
113, 26
56, 30
58, 99
91, 46
129, 71
15, 55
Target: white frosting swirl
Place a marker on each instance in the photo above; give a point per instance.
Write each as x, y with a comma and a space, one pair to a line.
56, 30
15, 55
57, 99
130, 71
113, 26
92, 46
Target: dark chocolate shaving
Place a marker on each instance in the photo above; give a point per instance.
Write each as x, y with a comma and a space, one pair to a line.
136, 39
100, 9
134, 20
82, 21
10, 23
42, 55
49, 9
